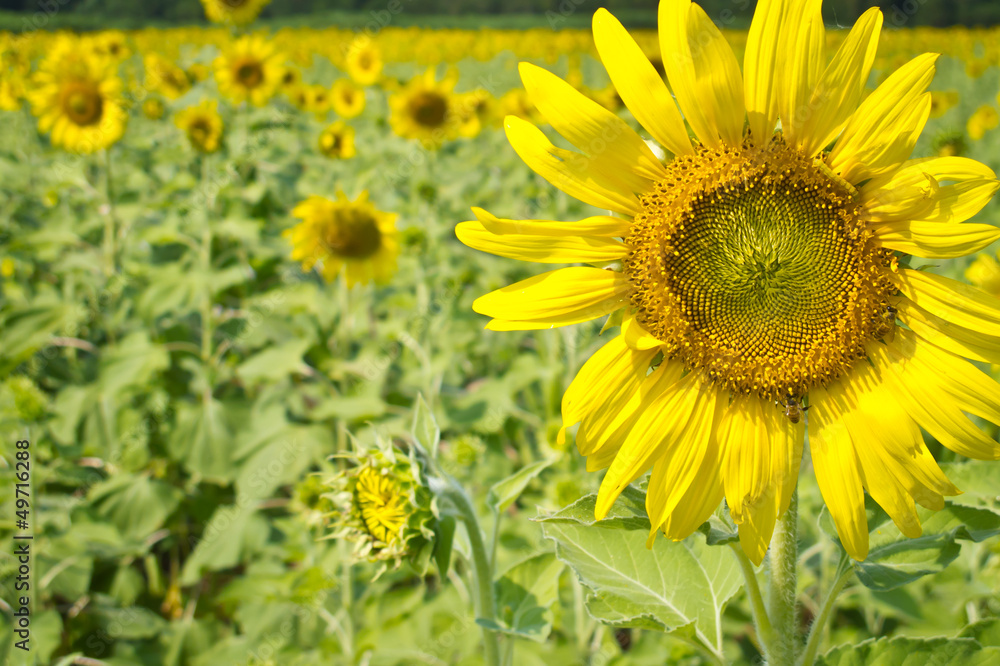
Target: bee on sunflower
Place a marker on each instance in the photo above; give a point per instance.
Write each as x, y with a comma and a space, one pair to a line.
249, 70
346, 237
202, 125
757, 272
233, 12
337, 141
425, 109
77, 99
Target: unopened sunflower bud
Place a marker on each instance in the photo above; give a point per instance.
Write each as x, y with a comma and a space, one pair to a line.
384, 505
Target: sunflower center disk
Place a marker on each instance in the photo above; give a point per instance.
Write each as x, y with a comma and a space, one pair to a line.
352, 235
429, 109
751, 263
83, 104
250, 74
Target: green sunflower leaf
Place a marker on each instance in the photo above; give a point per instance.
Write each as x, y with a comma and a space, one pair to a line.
912, 652
895, 560
672, 586
425, 429
505, 492
524, 596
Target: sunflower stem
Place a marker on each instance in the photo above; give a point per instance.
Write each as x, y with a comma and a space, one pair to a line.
109, 218
782, 583
206, 264
844, 573
482, 570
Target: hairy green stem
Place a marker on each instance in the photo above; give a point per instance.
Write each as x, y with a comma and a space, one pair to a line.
844, 573
483, 571
782, 583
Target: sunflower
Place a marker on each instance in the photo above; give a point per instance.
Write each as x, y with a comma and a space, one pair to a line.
233, 12
347, 99
425, 109
349, 237
337, 141
364, 62
153, 108
249, 70
165, 77
202, 125
982, 121
77, 97
757, 274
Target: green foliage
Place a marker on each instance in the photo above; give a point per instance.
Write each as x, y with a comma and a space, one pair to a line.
674, 586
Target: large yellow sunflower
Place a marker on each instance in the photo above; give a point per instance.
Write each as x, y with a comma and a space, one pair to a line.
249, 70
77, 98
343, 236
758, 273
233, 12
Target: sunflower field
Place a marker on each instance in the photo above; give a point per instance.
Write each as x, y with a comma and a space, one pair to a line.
281, 385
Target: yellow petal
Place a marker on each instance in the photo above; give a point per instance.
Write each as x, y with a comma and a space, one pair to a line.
609, 427
686, 484
880, 135
951, 300
936, 240
639, 85
838, 472
898, 468
747, 474
800, 63
590, 127
556, 298
613, 370
760, 69
842, 84
916, 191
545, 249
598, 225
659, 424
577, 175
919, 391
636, 336
952, 338
702, 71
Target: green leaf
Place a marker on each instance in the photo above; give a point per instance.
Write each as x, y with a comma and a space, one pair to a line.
425, 429
672, 585
986, 632
24, 330
911, 652
895, 560
137, 505
132, 362
202, 441
228, 536
505, 492
274, 363
979, 481
524, 596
